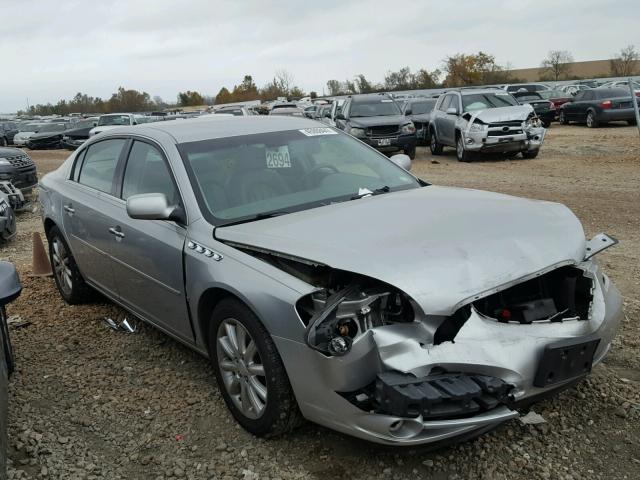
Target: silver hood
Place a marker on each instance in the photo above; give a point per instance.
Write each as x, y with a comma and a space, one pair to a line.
440, 245
504, 114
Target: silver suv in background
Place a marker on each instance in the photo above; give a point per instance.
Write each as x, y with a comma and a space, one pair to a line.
484, 121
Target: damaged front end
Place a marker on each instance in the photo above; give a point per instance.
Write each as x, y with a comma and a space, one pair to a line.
376, 364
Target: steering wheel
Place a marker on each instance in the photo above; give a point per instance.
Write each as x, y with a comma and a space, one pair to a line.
318, 168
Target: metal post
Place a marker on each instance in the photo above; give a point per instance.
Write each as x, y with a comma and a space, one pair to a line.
634, 101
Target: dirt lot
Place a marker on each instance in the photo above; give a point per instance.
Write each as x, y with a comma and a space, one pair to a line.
89, 403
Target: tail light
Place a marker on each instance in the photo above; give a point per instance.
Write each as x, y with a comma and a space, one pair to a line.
606, 104
552, 106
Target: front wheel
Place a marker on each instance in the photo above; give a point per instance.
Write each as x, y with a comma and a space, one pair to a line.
562, 118
71, 285
411, 153
592, 121
461, 153
249, 371
529, 154
434, 145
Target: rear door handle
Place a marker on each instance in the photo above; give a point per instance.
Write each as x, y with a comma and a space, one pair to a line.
69, 209
117, 232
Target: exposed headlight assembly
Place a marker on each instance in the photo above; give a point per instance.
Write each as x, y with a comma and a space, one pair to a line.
533, 122
357, 132
340, 318
477, 128
408, 129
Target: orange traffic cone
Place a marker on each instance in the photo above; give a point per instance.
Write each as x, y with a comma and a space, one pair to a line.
40, 262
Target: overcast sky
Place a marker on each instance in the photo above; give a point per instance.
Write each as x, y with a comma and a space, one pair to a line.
51, 50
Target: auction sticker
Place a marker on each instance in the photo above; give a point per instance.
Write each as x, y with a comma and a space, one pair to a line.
315, 131
278, 157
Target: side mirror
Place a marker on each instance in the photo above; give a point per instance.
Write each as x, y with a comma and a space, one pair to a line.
452, 111
402, 161
135, 123
153, 206
408, 112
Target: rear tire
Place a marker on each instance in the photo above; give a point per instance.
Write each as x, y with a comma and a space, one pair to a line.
254, 386
529, 154
461, 153
434, 146
71, 285
592, 120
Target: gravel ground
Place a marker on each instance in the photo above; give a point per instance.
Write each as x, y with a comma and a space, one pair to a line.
90, 403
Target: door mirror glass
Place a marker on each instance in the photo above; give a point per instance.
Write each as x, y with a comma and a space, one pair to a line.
402, 161
452, 111
152, 206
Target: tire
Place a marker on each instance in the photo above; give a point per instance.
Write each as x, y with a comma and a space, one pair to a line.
592, 120
6, 343
71, 285
631, 122
3, 142
434, 145
562, 118
546, 123
529, 154
411, 153
273, 413
461, 153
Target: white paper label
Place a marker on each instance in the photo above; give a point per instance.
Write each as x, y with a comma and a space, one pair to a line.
314, 132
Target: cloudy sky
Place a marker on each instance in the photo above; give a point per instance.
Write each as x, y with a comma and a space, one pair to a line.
51, 50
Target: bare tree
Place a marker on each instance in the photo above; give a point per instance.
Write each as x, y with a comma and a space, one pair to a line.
284, 80
557, 64
626, 62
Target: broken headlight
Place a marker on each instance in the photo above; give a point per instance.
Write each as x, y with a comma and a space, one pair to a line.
357, 132
338, 318
533, 122
477, 128
408, 129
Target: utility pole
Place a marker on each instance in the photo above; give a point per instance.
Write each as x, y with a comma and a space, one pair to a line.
634, 100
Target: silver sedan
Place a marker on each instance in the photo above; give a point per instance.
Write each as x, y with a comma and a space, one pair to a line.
324, 281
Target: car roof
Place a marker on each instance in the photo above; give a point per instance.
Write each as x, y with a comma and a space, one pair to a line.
194, 130
473, 91
367, 97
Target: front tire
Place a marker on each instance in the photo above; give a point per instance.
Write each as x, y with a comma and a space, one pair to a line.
434, 146
249, 371
592, 121
461, 153
71, 285
530, 154
411, 153
562, 118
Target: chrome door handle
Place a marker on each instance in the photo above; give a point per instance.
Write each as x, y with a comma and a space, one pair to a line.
116, 231
69, 209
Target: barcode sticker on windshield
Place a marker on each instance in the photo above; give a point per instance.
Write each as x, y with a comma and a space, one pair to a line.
313, 132
278, 157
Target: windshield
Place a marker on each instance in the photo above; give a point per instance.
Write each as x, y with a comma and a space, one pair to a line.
374, 108
547, 94
482, 101
240, 177
29, 127
113, 120
52, 127
84, 124
418, 108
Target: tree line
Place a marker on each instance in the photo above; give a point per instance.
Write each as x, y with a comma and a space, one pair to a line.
458, 70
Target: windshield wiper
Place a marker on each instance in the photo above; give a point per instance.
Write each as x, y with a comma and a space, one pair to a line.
253, 218
369, 193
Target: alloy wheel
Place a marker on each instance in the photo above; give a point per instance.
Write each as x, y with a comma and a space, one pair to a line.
590, 119
241, 368
61, 266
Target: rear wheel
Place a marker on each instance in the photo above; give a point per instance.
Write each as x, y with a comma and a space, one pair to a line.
434, 145
461, 153
249, 371
592, 121
72, 287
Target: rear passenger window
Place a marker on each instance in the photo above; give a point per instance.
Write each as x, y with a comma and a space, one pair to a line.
100, 164
147, 172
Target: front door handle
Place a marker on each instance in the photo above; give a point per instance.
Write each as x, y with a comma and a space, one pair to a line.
117, 232
69, 209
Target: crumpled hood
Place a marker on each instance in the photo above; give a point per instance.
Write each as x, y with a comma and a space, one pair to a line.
440, 245
364, 122
45, 135
503, 114
420, 117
